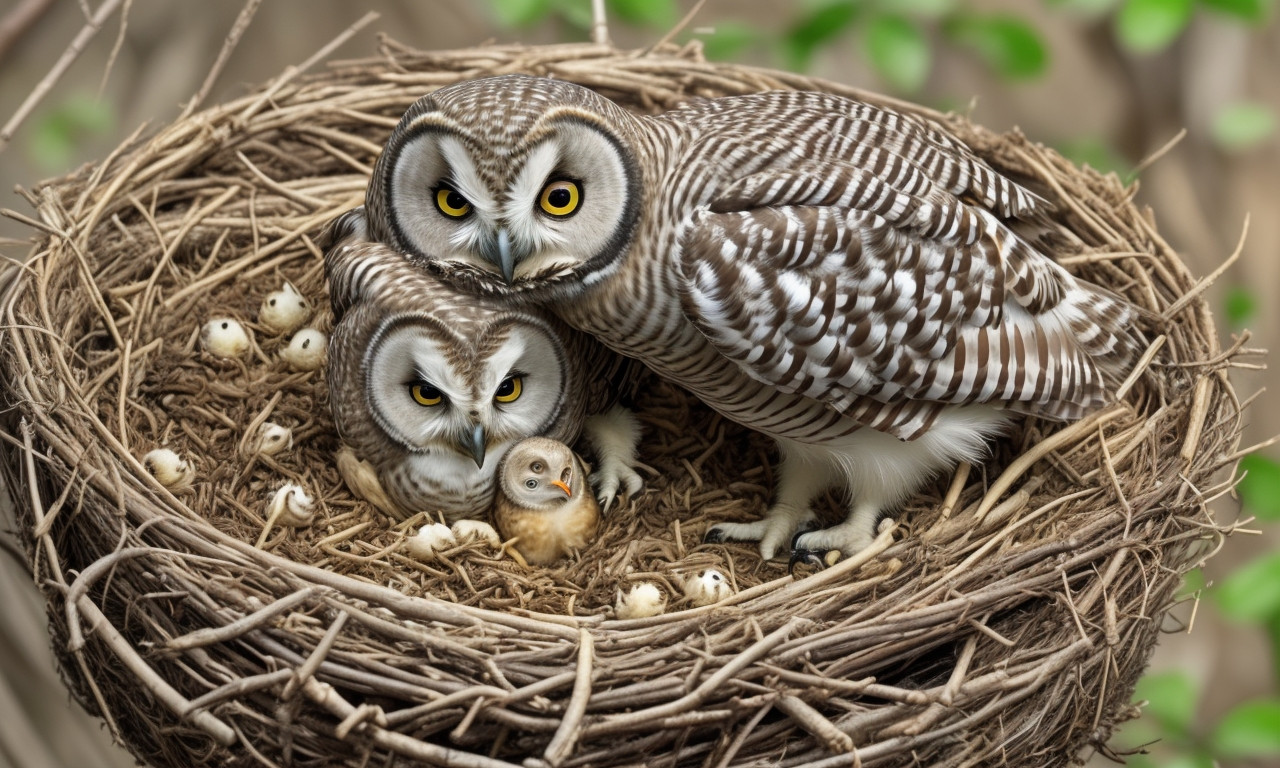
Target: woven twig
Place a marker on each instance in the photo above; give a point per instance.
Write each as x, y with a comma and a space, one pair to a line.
1001, 622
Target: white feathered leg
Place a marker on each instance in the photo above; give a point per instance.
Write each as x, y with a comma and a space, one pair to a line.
614, 435
803, 473
882, 471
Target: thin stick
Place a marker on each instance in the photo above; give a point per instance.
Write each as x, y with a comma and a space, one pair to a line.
115, 49
599, 24
73, 52
228, 45
815, 723
571, 727
1208, 280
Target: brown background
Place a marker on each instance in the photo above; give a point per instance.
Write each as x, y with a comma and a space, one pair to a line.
1200, 196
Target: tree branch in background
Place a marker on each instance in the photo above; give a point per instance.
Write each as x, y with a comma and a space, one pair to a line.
78, 44
18, 20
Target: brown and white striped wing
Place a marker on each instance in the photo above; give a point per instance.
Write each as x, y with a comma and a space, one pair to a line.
888, 306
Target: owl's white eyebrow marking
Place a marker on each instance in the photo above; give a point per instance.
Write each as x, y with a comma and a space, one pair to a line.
465, 178
520, 211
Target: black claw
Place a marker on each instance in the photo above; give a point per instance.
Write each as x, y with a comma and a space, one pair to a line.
713, 536
811, 557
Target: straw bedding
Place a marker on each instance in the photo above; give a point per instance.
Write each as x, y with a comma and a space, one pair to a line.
1004, 619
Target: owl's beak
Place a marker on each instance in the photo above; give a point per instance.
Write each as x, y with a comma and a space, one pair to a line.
506, 259
564, 487
472, 443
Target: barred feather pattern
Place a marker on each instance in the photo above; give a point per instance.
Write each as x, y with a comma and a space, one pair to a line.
855, 264
836, 275
374, 288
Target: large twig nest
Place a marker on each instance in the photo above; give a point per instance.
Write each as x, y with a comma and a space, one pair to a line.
1006, 618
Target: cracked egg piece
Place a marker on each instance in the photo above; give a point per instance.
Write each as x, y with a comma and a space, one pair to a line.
430, 539
225, 337
272, 439
170, 469
706, 587
291, 506
285, 310
643, 600
306, 350
466, 530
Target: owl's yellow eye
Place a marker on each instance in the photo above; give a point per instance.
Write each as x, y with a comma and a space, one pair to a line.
451, 203
426, 394
509, 390
560, 198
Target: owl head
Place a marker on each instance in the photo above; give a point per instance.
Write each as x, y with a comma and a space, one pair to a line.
417, 370
510, 184
541, 474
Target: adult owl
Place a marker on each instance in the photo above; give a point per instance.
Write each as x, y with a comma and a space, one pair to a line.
431, 386
842, 277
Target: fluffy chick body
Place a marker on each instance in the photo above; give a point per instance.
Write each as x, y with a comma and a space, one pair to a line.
544, 500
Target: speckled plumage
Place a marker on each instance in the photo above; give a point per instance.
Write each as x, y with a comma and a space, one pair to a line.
842, 277
381, 302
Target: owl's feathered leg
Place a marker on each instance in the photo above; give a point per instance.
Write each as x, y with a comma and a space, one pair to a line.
614, 436
802, 474
881, 471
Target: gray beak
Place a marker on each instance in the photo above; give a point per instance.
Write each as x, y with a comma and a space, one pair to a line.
473, 443
506, 260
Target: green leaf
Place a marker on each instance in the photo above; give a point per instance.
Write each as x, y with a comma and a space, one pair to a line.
898, 51
1192, 582
1252, 11
1250, 730
825, 23
1243, 125
519, 13
1240, 305
1008, 45
1147, 26
59, 133
1251, 593
729, 40
1260, 488
652, 13
1172, 699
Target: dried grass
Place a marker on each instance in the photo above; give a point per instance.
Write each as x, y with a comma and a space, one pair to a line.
1004, 621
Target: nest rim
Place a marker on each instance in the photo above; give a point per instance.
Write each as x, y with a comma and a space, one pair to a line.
771, 624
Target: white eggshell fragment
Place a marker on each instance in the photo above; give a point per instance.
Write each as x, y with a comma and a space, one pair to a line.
644, 599
225, 337
169, 468
430, 539
285, 310
706, 587
292, 506
306, 350
272, 439
467, 530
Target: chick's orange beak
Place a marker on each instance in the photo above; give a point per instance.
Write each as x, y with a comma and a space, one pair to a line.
563, 486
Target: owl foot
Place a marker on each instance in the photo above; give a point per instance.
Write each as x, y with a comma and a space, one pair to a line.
847, 538
612, 476
778, 526
614, 435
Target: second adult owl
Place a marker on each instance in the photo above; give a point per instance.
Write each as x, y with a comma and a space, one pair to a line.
431, 386
850, 280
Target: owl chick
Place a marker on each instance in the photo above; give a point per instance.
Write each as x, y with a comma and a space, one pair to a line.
431, 386
543, 500
850, 280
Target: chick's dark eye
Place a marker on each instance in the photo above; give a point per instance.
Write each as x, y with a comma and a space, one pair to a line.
536, 466
531, 484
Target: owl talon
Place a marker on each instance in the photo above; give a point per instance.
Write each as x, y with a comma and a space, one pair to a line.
714, 536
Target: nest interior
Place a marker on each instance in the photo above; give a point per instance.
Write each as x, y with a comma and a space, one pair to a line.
1005, 618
